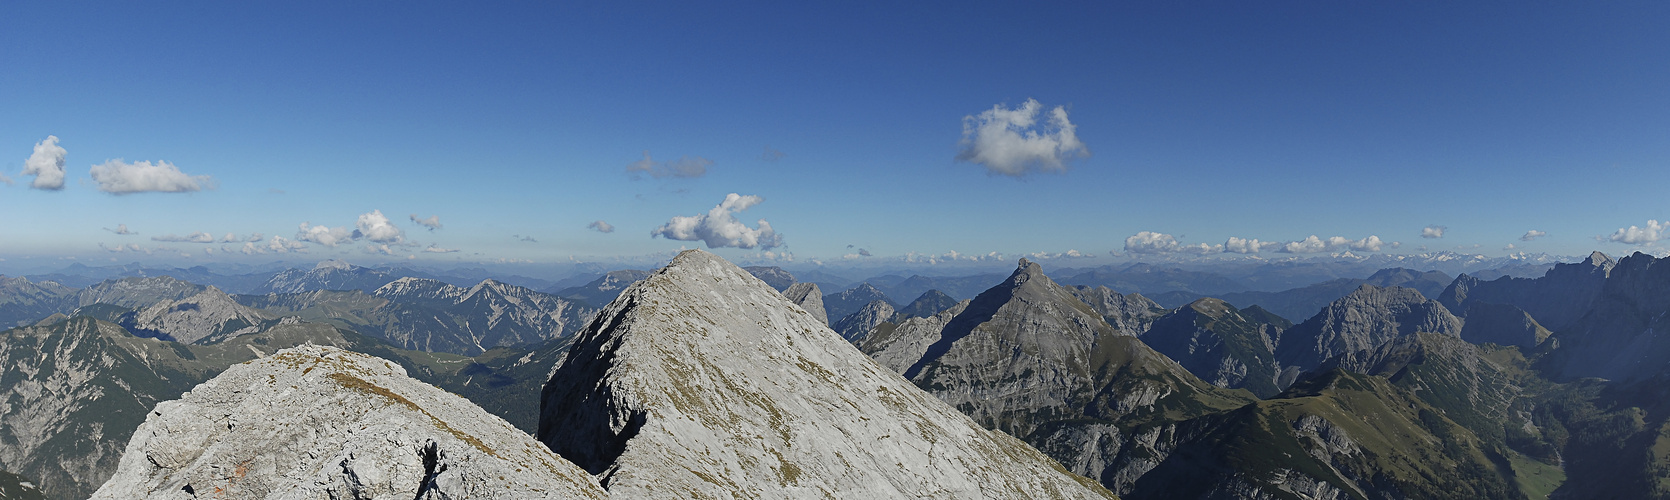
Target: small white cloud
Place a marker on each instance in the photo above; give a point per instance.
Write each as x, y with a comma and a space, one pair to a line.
251, 249
327, 236
375, 249
1011, 141
436, 249
121, 229
209, 251
377, 228
119, 177
1433, 232
1509, 247
131, 247
46, 164
229, 238
719, 227
1249, 245
684, 167
5, 180
1150, 242
863, 252
1641, 235
527, 239
433, 222
197, 237
255, 237
601, 227
1532, 235
771, 154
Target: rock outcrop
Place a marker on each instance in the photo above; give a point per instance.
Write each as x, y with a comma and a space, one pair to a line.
703, 382
845, 302
928, 304
320, 422
1363, 320
808, 297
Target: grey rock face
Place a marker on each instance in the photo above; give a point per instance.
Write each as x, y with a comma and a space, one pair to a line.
600, 291
327, 275
1502, 324
856, 325
897, 347
703, 382
208, 316
1367, 318
320, 422
1130, 313
808, 297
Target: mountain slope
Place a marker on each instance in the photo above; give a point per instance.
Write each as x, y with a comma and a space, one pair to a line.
23, 302
843, 303
1130, 313
599, 292
208, 316
701, 381
1556, 299
320, 422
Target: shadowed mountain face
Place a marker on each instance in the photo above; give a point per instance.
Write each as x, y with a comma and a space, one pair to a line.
1365, 319
1556, 300
774, 276
600, 291
1623, 335
1229, 347
1130, 313
928, 304
703, 382
23, 302
858, 324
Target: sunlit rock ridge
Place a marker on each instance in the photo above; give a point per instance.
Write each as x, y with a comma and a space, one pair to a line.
703, 382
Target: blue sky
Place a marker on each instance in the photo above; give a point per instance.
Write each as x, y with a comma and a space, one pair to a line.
1200, 121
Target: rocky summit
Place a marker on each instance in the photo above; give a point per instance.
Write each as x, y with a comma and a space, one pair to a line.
703, 382
320, 422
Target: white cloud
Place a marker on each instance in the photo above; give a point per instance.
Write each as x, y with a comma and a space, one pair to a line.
719, 227
1433, 232
377, 228
433, 222
229, 238
254, 237
1011, 141
5, 180
684, 167
197, 237
46, 164
601, 227
1509, 247
118, 177
1641, 235
1313, 244
436, 249
1532, 235
121, 229
327, 236
1149, 242
130, 247
1249, 245
251, 249
375, 249
280, 244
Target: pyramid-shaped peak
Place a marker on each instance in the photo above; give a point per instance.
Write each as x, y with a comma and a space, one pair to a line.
702, 381
1598, 259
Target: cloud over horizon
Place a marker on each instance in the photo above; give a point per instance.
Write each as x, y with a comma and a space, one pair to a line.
1633, 235
1532, 235
719, 227
47, 165
601, 227
1012, 142
1433, 231
1150, 242
197, 237
685, 167
119, 177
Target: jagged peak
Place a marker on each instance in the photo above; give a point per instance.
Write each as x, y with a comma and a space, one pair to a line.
1598, 259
